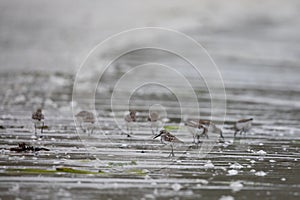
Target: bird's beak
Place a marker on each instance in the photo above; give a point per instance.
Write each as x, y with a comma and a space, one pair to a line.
156, 136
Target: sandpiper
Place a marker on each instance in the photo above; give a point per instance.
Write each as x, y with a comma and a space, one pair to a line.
208, 124
154, 119
130, 119
38, 119
167, 138
243, 125
86, 120
200, 128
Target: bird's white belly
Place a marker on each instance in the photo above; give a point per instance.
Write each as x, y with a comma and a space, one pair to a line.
243, 125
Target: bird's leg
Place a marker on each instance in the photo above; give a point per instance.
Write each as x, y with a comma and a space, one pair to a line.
92, 130
172, 152
198, 138
81, 127
195, 135
235, 132
222, 137
194, 139
204, 133
42, 127
152, 129
131, 128
127, 127
35, 128
198, 141
88, 130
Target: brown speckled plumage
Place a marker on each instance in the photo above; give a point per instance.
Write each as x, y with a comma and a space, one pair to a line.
205, 125
153, 116
86, 121
86, 116
131, 117
38, 115
243, 126
167, 138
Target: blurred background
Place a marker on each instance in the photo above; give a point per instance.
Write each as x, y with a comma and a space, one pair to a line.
57, 35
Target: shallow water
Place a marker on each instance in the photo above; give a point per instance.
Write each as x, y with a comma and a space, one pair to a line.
265, 161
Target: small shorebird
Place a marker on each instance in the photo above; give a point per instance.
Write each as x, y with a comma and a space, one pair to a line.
168, 138
130, 119
86, 120
38, 118
200, 128
243, 125
153, 118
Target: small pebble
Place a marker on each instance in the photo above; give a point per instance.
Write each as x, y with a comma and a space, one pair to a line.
232, 172
236, 186
226, 198
236, 166
124, 145
209, 165
260, 173
153, 183
202, 181
261, 152
176, 186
